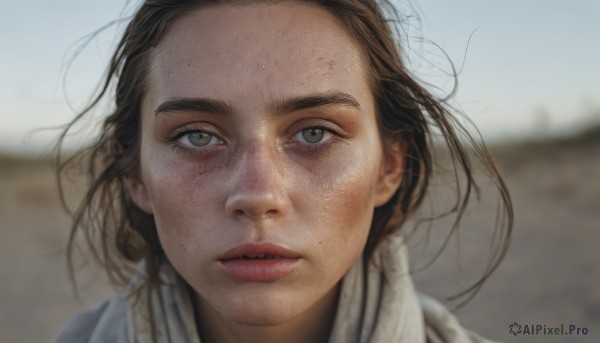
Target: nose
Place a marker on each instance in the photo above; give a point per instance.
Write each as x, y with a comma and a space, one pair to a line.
257, 190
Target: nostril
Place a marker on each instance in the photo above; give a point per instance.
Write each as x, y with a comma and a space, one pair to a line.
271, 213
267, 214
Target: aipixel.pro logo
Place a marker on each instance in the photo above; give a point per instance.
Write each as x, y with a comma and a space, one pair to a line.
545, 330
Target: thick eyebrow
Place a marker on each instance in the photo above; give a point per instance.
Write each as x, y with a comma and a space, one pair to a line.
335, 98
213, 106
205, 105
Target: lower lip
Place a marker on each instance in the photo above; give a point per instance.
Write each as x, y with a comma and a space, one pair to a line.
258, 270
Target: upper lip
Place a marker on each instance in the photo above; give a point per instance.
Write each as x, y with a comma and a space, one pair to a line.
261, 248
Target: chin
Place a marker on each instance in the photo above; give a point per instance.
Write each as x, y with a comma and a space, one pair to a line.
262, 309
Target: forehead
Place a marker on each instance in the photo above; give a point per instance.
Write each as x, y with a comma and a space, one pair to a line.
275, 50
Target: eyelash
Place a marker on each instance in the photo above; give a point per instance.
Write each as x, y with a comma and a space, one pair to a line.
323, 146
174, 137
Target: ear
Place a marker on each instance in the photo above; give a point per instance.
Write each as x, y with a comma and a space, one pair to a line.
137, 191
390, 172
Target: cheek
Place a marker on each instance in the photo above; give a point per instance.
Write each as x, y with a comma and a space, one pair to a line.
184, 205
340, 203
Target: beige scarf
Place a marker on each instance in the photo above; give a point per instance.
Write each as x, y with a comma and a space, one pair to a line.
379, 306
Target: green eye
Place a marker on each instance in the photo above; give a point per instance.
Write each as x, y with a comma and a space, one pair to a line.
313, 135
198, 139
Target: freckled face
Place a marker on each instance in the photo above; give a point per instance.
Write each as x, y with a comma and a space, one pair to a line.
283, 148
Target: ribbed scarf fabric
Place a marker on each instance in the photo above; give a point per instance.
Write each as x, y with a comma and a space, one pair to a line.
377, 303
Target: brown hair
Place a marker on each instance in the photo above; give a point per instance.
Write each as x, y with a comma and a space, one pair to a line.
119, 234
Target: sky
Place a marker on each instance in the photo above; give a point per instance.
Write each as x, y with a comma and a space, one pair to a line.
526, 68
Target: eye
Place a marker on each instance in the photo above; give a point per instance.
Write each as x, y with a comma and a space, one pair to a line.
198, 139
313, 135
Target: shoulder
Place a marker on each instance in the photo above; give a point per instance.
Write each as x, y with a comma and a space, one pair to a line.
442, 326
105, 323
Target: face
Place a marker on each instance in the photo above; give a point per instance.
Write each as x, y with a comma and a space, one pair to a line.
259, 132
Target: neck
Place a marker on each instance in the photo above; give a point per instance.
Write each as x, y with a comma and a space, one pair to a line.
314, 325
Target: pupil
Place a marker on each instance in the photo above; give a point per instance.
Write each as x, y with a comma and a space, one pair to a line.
199, 138
313, 135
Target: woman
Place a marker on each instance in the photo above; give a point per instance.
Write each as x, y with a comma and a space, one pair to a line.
264, 156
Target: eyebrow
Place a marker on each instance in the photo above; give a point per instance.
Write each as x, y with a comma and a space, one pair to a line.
206, 105
214, 106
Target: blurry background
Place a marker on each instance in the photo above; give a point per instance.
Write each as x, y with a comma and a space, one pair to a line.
529, 78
